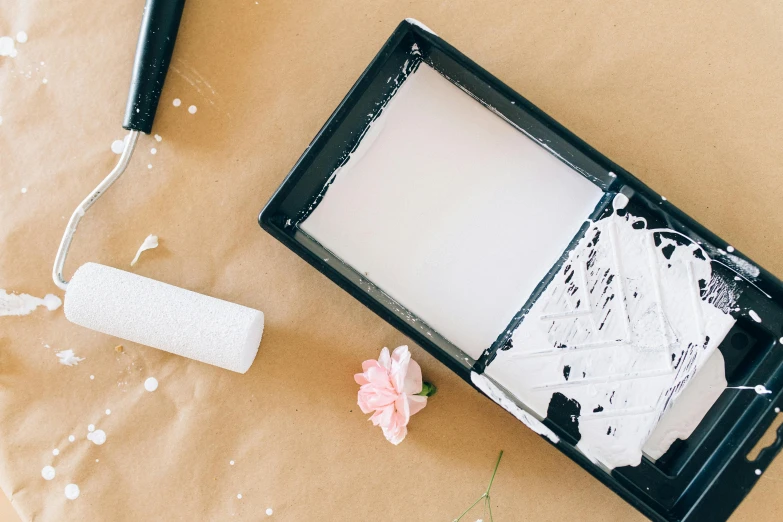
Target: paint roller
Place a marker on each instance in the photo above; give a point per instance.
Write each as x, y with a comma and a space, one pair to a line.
137, 308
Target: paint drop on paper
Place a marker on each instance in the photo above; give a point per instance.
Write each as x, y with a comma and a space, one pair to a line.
48, 473
71, 438
92, 377
68, 358
21, 37
269, 512
231, 462
97, 460
97, 437
117, 146
55, 452
729, 248
149, 243
177, 102
91, 427
151, 384
239, 495
192, 109
108, 412
158, 138
7, 47
754, 316
23, 304
149, 165
1, 120
153, 150
24, 190
758, 472
44, 81
72, 492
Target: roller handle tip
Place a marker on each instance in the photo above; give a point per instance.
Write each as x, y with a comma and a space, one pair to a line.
157, 35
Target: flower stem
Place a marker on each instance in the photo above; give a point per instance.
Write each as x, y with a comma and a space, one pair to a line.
484, 496
427, 389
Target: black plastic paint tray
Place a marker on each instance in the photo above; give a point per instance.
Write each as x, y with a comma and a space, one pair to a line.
702, 478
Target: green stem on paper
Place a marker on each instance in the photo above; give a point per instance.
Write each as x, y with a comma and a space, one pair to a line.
484, 496
427, 390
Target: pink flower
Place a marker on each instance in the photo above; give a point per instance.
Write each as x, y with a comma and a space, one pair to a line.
388, 391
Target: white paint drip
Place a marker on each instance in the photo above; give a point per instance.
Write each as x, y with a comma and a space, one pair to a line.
177, 102
21, 37
421, 25
759, 389
740, 265
150, 242
753, 315
117, 146
68, 358
7, 46
48, 473
23, 304
622, 329
151, 384
72, 492
192, 109
98, 437
494, 393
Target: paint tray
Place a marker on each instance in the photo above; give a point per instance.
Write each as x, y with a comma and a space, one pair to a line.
704, 477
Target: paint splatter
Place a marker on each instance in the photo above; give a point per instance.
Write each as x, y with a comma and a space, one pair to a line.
758, 472
71, 438
753, 315
92, 377
177, 102
117, 146
192, 109
108, 412
7, 47
150, 242
231, 462
729, 248
21, 37
759, 389
151, 384
91, 427
158, 138
55, 452
48, 473
23, 304
24, 190
68, 358
149, 165
269, 512
239, 495
97, 437
72, 492
153, 151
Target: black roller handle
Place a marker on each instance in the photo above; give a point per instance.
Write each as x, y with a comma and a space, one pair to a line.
157, 35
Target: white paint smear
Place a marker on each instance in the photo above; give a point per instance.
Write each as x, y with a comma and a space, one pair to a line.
72, 492
494, 393
97, 437
151, 384
753, 315
23, 304
621, 330
68, 358
436, 203
759, 389
7, 46
150, 242
48, 473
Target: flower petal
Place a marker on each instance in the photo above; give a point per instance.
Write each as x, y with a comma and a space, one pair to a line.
383, 417
360, 378
416, 403
400, 360
385, 360
403, 411
413, 382
395, 435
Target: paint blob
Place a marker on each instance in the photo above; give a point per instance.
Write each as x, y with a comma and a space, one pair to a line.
239, 495
23, 304
97, 437
55, 452
91, 427
48, 473
158, 138
108, 412
68, 358
151, 384
21, 37
7, 46
71, 438
117, 146
753, 315
149, 243
177, 102
269, 512
153, 151
72, 492
192, 109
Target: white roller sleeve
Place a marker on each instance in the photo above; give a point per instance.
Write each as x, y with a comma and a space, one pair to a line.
163, 316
